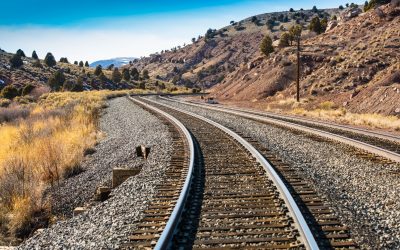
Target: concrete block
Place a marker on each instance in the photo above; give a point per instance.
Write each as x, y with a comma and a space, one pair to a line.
119, 175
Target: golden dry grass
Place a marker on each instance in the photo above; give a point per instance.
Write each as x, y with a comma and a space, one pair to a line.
43, 148
345, 117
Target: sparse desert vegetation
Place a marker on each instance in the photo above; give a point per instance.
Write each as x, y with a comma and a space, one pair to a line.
41, 143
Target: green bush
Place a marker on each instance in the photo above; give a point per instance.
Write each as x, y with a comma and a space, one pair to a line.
57, 80
27, 89
16, 61
10, 92
266, 46
49, 60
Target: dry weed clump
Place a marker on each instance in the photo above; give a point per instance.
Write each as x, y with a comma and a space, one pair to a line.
46, 145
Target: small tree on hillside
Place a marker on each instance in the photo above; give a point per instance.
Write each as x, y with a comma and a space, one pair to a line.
145, 74
80, 64
28, 89
110, 67
34, 55
315, 25
291, 10
314, 9
116, 75
57, 80
135, 74
126, 75
87, 64
76, 62
64, 60
9, 92
20, 53
16, 61
284, 40
341, 7
49, 60
266, 46
98, 71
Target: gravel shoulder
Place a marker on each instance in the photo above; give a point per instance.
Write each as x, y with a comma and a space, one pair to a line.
364, 194
107, 224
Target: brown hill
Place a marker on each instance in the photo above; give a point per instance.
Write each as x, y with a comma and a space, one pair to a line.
355, 65
209, 59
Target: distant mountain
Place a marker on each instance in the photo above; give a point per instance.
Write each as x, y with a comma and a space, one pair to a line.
118, 62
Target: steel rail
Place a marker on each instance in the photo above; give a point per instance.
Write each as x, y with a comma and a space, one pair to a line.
352, 142
381, 135
175, 217
294, 210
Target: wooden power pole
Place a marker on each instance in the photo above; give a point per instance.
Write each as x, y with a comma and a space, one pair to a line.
298, 70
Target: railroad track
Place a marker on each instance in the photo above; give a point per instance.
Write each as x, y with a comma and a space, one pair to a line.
385, 146
237, 199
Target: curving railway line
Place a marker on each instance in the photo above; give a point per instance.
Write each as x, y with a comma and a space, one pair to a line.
226, 191
383, 145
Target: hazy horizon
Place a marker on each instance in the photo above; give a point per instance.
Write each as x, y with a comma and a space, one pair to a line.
102, 30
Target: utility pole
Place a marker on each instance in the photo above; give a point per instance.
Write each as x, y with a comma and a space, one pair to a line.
298, 70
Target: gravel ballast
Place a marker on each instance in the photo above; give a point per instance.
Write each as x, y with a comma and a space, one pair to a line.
364, 194
109, 223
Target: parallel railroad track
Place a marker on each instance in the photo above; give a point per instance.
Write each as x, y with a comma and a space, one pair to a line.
385, 146
234, 203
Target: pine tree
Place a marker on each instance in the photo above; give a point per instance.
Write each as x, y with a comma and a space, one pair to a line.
87, 64
314, 9
34, 55
145, 74
315, 25
98, 71
125, 74
135, 74
49, 60
80, 64
284, 40
20, 53
57, 80
76, 62
116, 76
266, 46
16, 61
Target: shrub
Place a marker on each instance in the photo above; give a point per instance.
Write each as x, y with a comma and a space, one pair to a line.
284, 40
116, 76
315, 25
13, 113
20, 53
98, 71
16, 61
341, 7
145, 74
34, 55
328, 105
9, 92
81, 64
49, 60
4, 102
64, 60
57, 80
27, 89
87, 64
125, 74
266, 46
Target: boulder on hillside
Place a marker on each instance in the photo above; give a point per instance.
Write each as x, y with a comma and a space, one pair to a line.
332, 24
350, 13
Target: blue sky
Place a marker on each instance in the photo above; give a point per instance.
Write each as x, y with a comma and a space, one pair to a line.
91, 30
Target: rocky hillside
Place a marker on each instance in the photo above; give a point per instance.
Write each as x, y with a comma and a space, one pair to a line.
210, 58
355, 63
36, 75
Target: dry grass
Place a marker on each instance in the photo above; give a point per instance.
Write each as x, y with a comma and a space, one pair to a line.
345, 117
48, 144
